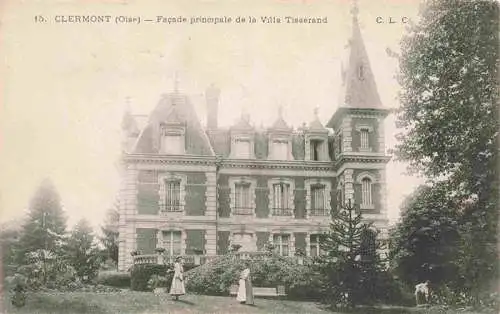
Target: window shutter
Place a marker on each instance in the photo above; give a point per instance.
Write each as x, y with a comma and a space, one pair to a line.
146, 240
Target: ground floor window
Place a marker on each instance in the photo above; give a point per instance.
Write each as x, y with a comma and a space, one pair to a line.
314, 245
281, 244
172, 242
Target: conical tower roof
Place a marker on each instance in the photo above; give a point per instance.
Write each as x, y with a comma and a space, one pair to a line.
359, 89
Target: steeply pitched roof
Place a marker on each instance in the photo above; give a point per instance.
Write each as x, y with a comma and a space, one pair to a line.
174, 107
358, 83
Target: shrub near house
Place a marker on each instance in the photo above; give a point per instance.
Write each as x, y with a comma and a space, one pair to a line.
216, 278
141, 274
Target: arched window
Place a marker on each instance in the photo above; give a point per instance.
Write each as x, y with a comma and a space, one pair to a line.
366, 192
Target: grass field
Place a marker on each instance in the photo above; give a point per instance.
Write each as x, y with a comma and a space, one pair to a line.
128, 302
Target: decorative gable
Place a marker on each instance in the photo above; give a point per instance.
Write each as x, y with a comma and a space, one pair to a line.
280, 140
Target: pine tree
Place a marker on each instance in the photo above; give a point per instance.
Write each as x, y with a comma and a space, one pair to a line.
81, 251
110, 235
45, 227
350, 263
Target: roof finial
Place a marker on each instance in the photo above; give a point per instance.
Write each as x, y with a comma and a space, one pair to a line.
280, 111
316, 111
355, 10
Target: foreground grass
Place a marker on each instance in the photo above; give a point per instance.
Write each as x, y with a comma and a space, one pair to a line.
129, 302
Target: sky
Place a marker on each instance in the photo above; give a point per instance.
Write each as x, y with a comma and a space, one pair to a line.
66, 84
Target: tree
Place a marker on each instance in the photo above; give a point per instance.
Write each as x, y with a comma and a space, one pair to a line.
425, 243
9, 242
449, 120
45, 226
110, 235
81, 251
350, 264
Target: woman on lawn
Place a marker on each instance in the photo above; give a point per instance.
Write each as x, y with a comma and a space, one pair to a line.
177, 287
245, 293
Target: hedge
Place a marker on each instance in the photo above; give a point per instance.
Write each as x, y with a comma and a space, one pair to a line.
114, 279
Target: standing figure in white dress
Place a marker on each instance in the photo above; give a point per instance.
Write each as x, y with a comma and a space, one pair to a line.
177, 287
245, 293
422, 289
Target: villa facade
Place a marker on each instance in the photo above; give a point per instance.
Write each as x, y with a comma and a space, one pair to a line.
196, 190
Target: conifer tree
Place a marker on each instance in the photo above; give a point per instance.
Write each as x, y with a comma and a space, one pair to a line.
350, 262
81, 251
45, 226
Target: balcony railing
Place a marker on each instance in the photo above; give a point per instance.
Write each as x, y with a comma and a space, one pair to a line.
242, 211
282, 211
171, 208
163, 259
319, 212
203, 259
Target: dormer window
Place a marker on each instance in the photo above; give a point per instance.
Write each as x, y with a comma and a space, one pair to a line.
316, 149
242, 148
280, 149
172, 140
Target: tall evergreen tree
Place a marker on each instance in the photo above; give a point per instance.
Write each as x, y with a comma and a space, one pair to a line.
81, 251
45, 226
449, 120
350, 263
110, 235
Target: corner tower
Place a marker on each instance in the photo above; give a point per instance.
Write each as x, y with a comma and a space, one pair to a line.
358, 126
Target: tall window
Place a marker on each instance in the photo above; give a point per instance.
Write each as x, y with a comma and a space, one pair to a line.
314, 245
172, 242
242, 199
315, 149
173, 144
281, 199
366, 192
243, 148
172, 196
364, 139
280, 150
281, 244
318, 202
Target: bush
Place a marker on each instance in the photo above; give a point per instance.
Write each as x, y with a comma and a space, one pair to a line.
141, 274
158, 282
216, 277
114, 279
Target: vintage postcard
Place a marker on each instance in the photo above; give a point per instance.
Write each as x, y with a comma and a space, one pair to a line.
294, 156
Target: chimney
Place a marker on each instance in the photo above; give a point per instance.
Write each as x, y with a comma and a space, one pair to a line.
212, 97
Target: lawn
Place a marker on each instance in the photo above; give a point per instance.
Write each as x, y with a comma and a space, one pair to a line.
146, 302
